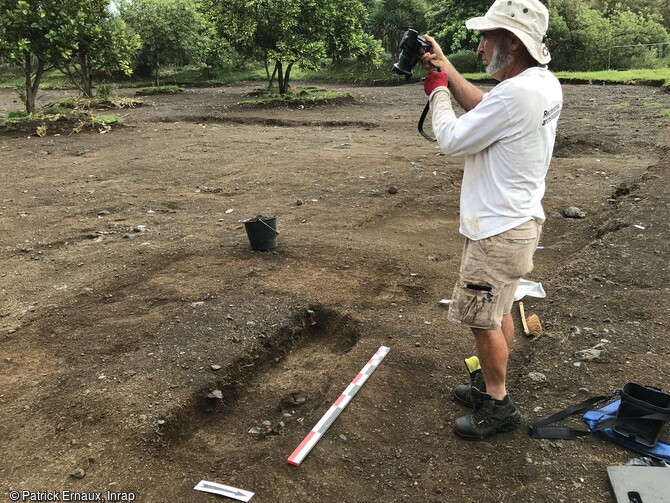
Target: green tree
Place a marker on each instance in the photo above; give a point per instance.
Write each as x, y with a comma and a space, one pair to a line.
99, 43
345, 35
33, 34
446, 22
578, 36
390, 18
171, 32
290, 32
77, 36
636, 30
582, 37
370, 51
647, 7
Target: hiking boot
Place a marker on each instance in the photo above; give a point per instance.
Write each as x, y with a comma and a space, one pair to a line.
489, 418
462, 392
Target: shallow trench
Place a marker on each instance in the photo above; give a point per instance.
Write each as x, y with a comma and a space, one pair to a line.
288, 375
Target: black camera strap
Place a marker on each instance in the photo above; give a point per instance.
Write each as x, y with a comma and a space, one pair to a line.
546, 428
421, 121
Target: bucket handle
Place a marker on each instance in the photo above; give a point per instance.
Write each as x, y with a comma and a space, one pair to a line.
268, 226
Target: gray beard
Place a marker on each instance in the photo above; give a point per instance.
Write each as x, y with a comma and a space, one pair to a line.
500, 59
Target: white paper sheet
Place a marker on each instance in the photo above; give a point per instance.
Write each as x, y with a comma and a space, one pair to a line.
223, 490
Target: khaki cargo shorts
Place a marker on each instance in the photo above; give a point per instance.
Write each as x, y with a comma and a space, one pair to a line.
490, 272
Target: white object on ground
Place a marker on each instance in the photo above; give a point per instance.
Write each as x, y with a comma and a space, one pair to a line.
530, 288
338, 406
223, 490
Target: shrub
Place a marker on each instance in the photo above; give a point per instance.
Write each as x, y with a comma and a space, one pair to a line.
16, 114
466, 61
106, 91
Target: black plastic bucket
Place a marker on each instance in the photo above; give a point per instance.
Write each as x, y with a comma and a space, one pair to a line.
262, 232
638, 403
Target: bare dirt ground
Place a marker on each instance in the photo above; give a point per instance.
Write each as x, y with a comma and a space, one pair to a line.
127, 280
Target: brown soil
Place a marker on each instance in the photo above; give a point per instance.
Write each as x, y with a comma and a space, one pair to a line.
126, 274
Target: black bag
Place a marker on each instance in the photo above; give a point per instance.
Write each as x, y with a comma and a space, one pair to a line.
640, 416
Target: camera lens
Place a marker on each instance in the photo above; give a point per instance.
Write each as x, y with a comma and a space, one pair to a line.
405, 63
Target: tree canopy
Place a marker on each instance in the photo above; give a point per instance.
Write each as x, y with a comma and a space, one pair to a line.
446, 22
82, 38
171, 32
76, 36
99, 42
583, 34
647, 7
292, 31
581, 37
390, 18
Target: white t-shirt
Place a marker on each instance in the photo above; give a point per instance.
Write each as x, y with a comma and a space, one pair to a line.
507, 141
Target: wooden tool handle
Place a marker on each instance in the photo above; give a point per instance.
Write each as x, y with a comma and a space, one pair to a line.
523, 319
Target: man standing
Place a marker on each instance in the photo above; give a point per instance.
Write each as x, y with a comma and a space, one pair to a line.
507, 136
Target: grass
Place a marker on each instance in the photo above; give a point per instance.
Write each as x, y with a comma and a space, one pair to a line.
660, 75
16, 114
89, 103
106, 120
51, 79
71, 121
159, 90
70, 115
347, 72
206, 76
298, 96
351, 72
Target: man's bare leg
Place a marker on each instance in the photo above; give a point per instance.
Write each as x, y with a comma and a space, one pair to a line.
508, 328
493, 353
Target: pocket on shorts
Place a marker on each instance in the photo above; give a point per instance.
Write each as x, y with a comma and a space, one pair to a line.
518, 247
473, 306
526, 233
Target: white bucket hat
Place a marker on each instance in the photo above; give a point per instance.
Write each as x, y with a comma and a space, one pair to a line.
527, 19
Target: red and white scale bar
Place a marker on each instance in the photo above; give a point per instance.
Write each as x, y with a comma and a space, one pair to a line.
338, 406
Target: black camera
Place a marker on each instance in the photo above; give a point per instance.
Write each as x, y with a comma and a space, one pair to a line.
412, 47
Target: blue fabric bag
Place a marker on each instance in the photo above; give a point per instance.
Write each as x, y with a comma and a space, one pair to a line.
609, 412
635, 421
